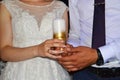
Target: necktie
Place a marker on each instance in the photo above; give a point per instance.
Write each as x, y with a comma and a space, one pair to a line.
98, 35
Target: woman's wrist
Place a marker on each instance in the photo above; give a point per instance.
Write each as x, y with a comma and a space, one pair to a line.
36, 51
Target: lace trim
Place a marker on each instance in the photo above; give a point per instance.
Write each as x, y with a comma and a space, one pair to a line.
35, 5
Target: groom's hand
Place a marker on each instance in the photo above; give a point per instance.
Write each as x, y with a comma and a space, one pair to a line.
81, 57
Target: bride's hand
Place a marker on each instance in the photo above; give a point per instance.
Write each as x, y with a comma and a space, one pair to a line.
45, 48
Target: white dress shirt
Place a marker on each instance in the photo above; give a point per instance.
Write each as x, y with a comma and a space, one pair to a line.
81, 24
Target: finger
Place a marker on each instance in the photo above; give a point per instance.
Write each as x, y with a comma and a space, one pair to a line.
69, 54
72, 69
67, 58
69, 67
66, 63
59, 40
58, 45
54, 56
54, 46
75, 50
56, 51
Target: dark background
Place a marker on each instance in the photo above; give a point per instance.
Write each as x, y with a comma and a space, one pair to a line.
65, 1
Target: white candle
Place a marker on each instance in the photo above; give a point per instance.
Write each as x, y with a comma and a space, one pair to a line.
59, 29
59, 25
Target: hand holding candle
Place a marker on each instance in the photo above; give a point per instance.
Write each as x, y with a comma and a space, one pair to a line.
59, 31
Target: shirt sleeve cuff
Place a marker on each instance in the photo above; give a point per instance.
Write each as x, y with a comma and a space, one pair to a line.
107, 53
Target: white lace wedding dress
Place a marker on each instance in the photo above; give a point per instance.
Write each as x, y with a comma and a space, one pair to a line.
32, 25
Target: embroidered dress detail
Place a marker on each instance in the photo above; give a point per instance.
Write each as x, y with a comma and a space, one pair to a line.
31, 26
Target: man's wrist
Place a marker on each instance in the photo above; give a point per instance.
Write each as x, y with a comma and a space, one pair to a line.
100, 60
